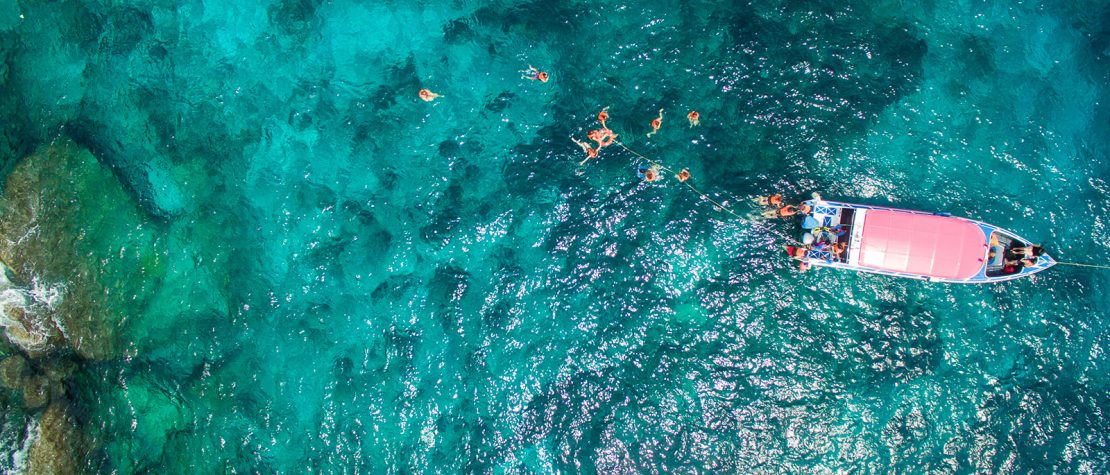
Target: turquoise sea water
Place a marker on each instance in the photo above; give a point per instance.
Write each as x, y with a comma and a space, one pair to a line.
239, 243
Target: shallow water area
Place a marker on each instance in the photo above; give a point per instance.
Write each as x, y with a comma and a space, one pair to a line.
270, 256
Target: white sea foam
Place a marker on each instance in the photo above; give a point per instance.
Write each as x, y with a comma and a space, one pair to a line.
10, 438
37, 305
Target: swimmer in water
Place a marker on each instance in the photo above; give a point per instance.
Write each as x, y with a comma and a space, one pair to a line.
656, 123
651, 173
603, 137
683, 175
783, 212
694, 117
771, 200
591, 152
594, 135
534, 74
427, 96
607, 138
603, 117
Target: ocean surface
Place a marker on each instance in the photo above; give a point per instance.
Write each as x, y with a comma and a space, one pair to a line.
237, 241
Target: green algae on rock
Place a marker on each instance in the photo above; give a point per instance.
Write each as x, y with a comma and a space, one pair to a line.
16, 374
65, 219
58, 448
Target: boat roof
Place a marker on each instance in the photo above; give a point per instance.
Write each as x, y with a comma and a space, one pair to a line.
930, 245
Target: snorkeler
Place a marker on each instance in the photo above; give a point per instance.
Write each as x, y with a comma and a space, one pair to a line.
590, 151
656, 123
603, 117
683, 175
594, 135
534, 74
427, 96
770, 200
649, 174
694, 117
607, 137
787, 211
603, 137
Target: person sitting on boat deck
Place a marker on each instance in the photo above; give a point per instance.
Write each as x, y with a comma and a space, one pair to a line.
798, 253
838, 249
770, 200
1028, 261
1016, 265
1031, 250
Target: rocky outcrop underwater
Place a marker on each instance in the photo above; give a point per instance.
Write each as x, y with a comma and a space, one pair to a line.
68, 229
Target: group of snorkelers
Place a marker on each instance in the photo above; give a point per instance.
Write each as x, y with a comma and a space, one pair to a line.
604, 136
531, 73
777, 208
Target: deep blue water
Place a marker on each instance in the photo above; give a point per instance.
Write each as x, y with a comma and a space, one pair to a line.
240, 243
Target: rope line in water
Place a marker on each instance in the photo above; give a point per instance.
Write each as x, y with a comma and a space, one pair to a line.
1096, 266
703, 195
687, 183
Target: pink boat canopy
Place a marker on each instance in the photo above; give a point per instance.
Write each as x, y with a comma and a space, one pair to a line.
934, 246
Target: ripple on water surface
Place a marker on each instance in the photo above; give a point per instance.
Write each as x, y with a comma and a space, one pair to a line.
342, 277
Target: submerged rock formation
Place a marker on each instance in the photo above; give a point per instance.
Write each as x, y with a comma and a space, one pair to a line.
79, 256
56, 449
16, 374
67, 223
